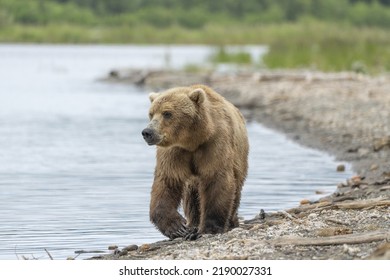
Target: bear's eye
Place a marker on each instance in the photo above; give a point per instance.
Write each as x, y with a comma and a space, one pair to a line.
150, 116
167, 115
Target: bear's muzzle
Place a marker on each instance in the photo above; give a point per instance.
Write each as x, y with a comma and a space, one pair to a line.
150, 136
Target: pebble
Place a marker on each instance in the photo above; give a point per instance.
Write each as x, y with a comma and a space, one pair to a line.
112, 247
320, 192
363, 152
356, 180
144, 248
131, 248
122, 253
350, 250
380, 143
340, 168
304, 201
312, 216
374, 167
116, 251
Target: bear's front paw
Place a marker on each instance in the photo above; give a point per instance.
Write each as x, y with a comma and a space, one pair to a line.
192, 234
171, 224
175, 229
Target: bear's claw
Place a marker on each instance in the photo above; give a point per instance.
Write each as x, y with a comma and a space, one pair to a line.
181, 232
192, 234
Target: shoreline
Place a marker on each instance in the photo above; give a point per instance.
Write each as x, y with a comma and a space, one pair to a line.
344, 114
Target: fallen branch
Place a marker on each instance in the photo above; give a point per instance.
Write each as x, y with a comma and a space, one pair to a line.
287, 215
360, 204
89, 252
337, 222
315, 206
47, 252
357, 238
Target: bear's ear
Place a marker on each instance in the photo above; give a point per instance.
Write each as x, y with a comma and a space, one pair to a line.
153, 96
198, 95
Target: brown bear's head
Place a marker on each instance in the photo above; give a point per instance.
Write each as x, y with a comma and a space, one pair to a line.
175, 117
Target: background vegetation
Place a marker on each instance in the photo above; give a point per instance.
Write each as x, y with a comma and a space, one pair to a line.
323, 34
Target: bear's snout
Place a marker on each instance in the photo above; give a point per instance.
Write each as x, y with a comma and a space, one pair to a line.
149, 136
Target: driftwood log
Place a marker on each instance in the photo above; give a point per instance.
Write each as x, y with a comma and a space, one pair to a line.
356, 238
361, 204
356, 204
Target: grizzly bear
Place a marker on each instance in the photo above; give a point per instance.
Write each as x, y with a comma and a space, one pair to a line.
202, 161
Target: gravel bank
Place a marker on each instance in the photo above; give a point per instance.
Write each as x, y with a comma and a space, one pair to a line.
344, 114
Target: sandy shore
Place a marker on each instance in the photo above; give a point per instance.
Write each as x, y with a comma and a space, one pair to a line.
344, 114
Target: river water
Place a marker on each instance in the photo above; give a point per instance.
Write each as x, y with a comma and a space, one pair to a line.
75, 173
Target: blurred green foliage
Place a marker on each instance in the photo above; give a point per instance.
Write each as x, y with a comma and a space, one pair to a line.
323, 34
195, 14
329, 47
224, 56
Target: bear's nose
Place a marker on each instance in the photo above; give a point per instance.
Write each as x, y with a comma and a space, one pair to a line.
147, 133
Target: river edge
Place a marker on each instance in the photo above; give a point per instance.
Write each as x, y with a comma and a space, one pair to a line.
344, 114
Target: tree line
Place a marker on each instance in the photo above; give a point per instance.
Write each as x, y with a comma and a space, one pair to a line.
193, 13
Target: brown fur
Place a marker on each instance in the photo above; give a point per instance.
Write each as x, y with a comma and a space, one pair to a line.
202, 160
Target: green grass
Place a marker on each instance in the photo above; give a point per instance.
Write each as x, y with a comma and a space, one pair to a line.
305, 44
330, 48
223, 56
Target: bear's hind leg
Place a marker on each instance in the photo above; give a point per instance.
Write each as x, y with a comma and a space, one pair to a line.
191, 206
233, 219
216, 202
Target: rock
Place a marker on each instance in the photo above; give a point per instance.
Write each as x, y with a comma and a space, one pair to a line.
374, 167
144, 248
353, 150
382, 252
363, 152
304, 201
355, 180
381, 143
131, 248
262, 214
340, 168
113, 74
350, 250
312, 216
116, 251
122, 253
112, 247
386, 174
